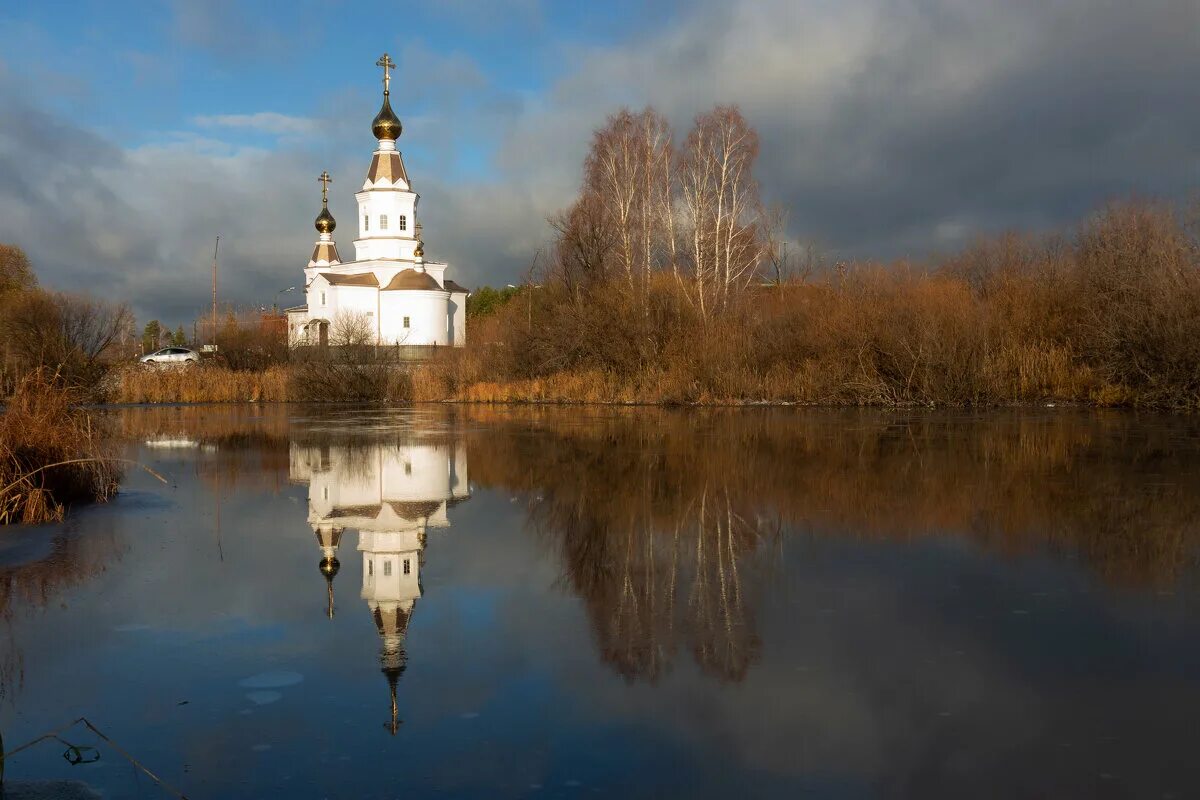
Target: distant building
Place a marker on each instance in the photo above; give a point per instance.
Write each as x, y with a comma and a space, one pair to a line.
389, 294
392, 495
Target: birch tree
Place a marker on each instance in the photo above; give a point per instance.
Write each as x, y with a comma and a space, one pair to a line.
721, 205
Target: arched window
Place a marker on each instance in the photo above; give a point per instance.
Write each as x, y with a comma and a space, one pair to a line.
383, 222
366, 222
403, 222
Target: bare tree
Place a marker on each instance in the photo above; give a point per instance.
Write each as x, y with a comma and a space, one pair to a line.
775, 246
352, 329
70, 334
584, 244
613, 170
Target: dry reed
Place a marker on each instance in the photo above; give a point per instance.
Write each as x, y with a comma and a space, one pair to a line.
52, 454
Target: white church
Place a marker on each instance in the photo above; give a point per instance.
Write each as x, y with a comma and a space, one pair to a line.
389, 294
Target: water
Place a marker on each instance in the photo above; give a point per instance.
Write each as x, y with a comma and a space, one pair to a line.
634, 603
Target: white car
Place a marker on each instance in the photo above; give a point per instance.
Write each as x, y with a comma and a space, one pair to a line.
181, 356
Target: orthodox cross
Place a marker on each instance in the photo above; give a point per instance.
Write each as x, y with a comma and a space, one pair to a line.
386, 62
325, 180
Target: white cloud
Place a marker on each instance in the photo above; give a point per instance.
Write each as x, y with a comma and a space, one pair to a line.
269, 122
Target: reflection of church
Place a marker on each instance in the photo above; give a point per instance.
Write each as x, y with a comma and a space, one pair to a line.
392, 494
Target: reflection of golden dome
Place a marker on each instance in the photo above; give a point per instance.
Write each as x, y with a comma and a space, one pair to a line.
330, 567
325, 223
386, 124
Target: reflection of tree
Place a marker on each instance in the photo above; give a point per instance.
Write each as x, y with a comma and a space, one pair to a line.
658, 516
658, 563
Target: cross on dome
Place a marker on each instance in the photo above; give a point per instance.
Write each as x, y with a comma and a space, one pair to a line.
386, 62
325, 180
386, 125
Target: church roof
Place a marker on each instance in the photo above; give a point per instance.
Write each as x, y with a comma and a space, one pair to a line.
387, 165
451, 286
413, 511
326, 251
357, 279
371, 511
413, 280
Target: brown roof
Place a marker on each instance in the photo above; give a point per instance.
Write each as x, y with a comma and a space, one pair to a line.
451, 286
357, 279
413, 511
411, 279
326, 251
387, 165
355, 511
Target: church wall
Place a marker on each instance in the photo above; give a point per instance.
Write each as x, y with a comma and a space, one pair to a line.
380, 548
355, 300
415, 473
457, 322
373, 240
426, 311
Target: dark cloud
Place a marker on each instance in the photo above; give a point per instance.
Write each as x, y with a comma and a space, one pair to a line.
889, 128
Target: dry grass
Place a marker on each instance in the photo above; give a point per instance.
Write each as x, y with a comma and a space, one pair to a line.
52, 455
203, 384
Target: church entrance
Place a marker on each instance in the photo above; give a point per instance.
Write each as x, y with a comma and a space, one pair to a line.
323, 334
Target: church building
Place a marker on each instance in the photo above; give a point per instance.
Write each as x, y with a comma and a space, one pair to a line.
389, 294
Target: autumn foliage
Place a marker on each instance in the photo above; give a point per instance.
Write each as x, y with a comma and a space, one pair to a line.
670, 283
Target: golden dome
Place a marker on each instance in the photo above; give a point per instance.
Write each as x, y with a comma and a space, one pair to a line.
410, 279
386, 124
325, 223
330, 567
420, 251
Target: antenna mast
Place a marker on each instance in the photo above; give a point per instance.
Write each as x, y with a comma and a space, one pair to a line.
213, 331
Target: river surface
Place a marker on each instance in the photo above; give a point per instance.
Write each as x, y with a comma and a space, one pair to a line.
474, 602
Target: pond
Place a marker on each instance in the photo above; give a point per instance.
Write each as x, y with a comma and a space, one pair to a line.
550, 602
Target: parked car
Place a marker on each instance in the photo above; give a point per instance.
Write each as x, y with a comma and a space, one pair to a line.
172, 355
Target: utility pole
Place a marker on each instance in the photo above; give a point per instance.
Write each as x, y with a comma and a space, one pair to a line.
213, 333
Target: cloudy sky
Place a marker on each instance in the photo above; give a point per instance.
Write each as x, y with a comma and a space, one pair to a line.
132, 133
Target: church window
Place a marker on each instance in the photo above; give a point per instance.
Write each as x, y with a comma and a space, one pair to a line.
387, 568
406, 568
406, 322
403, 222
366, 222
325, 493
383, 222
408, 468
322, 298
370, 567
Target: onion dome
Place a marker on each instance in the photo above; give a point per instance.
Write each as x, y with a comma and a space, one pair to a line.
325, 223
330, 567
386, 124
420, 251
